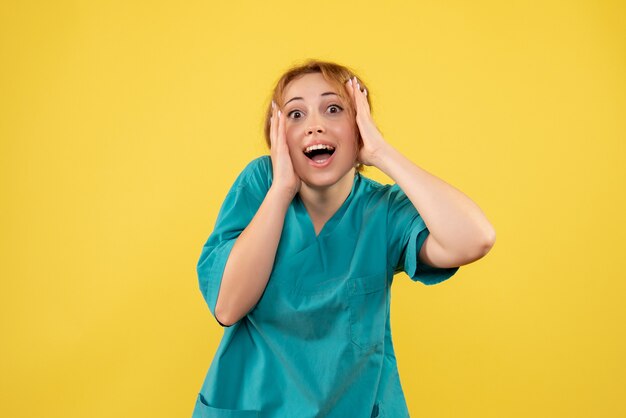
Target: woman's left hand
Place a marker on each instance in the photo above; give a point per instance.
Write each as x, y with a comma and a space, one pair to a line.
373, 141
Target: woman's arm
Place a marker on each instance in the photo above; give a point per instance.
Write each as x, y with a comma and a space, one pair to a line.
251, 259
459, 231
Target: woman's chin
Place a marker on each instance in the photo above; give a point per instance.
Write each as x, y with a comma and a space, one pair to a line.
322, 180
319, 184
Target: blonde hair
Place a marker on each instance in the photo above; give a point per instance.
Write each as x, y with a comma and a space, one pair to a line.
337, 75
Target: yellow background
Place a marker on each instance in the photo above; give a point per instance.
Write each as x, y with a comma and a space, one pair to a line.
123, 124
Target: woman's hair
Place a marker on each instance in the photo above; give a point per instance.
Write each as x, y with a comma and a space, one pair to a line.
337, 75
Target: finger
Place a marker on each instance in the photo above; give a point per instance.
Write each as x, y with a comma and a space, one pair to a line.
359, 87
273, 126
355, 94
361, 97
350, 88
280, 137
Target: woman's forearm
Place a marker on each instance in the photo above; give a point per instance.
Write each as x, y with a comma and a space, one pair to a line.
453, 219
251, 259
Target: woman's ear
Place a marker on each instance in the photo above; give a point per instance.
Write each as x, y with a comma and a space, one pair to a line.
359, 145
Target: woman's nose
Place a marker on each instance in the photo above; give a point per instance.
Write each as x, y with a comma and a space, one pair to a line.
315, 128
314, 125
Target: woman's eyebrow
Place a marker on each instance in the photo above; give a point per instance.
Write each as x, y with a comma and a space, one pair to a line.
328, 93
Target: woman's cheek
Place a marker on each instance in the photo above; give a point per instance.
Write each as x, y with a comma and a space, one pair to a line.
288, 130
291, 137
291, 144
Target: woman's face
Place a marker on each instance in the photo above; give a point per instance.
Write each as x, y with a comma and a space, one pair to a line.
321, 135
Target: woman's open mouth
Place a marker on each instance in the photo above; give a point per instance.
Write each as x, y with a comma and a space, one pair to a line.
319, 154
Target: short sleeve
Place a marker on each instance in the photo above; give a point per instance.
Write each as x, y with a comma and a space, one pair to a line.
406, 235
239, 207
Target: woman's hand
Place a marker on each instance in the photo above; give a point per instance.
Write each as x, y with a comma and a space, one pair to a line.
285, 178
373, 141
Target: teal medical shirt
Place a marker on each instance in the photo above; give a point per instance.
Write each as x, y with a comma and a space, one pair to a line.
318, 342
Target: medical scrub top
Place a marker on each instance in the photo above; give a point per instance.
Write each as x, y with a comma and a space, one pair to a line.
318, 342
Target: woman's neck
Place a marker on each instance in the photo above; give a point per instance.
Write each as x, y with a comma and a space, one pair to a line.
322, 202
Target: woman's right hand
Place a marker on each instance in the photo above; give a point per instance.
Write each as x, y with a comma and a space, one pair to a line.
285, 178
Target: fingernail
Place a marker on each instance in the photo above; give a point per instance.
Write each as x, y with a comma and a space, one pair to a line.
279, 113
273, 104
365, 91
350, 82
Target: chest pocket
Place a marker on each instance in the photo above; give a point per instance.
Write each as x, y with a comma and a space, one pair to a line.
367, 299
203, 410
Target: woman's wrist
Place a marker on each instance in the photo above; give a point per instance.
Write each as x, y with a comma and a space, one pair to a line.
282, 195
382, 157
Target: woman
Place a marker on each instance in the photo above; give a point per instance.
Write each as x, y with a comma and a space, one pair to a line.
299, 266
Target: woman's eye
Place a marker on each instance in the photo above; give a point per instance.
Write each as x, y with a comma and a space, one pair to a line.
293, 113
296, 114
338, 108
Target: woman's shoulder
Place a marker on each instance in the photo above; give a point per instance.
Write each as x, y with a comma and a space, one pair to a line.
376, 192
256, 175
372, 187
369, 184
259, 166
